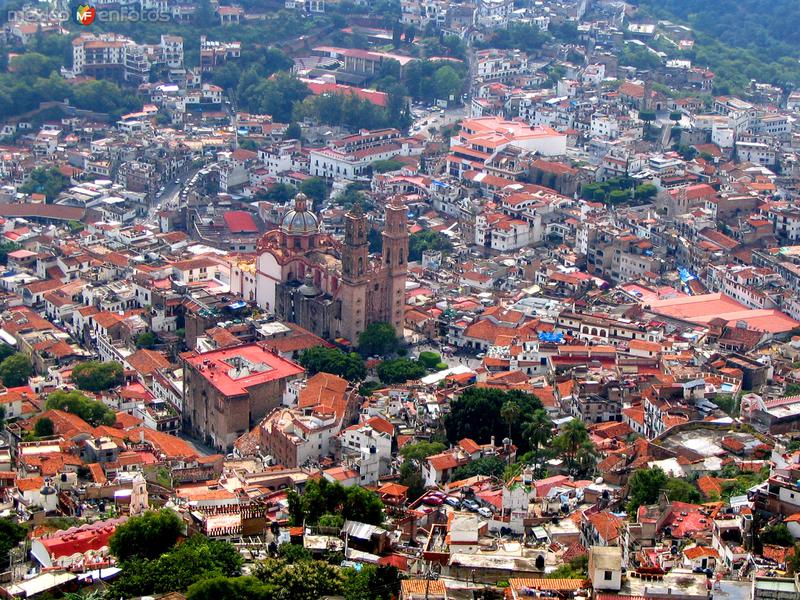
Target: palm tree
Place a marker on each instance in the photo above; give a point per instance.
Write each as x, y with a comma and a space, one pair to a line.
510, 412
586, 459
538, 430
572, 437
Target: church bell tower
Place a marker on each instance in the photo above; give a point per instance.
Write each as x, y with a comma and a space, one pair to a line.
395, 258
355, 263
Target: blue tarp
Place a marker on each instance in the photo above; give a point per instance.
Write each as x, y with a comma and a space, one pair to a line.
551, 336
237, 305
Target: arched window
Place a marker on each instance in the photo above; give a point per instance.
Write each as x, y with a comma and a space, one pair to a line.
401, 256
360, 265
388, 256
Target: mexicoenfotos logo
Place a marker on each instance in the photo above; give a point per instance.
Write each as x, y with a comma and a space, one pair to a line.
85, 14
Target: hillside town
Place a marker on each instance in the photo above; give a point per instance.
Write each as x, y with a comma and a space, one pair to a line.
420, 300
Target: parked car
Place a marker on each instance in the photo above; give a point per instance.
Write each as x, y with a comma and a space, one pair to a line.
470, 505
453, 501
432, 501
485, 512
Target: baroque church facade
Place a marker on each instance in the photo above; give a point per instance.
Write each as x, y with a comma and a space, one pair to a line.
333, 288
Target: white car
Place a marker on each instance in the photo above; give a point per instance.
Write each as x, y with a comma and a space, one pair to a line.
485, 512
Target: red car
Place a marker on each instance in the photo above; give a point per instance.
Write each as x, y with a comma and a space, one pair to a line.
432, 501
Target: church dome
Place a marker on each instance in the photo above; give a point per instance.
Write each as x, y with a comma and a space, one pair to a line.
307, 289
300, 220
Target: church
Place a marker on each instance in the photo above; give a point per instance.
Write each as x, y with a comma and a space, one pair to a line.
333, 288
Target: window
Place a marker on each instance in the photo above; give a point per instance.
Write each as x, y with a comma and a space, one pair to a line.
607, 576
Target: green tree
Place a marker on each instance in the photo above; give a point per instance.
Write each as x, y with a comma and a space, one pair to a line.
230, 588
44, 428
577, 568
316, 190
33, 64
321, 497
644, 487
5, 248
618, 196
305, 580
680, 490
648, 116
573, 438
378, 339
275, 96
792, 389
427, 240
362, 505
195, 559
15, 370
538, 430
147, 536
44, 180
5, 351
645, 192
727, 404
146, 339
371, 582
510, 412
280, 193
348, 365
777, 534
293, 132
411, 477
430, 359
331, 520
292, 553
93, 412
399, 370
492, 466
419, 451
384, 166
11, 534
96, 376
447, 83
476, 415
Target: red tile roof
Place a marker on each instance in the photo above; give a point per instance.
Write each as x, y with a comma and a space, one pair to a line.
240, 221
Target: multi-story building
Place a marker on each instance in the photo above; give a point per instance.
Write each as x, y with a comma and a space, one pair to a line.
113, 56
214, 54
349, 157
227, 391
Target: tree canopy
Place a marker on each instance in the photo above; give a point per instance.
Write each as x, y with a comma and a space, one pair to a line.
644, 486
44, 427
93, 412
421, 450
96, 376
146, 339
400, 370
378, 339
322, 497
176, 569
427, 240
11, 534
476, 415
15, 370
47, 181
487, 465
348, 365
147, 536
